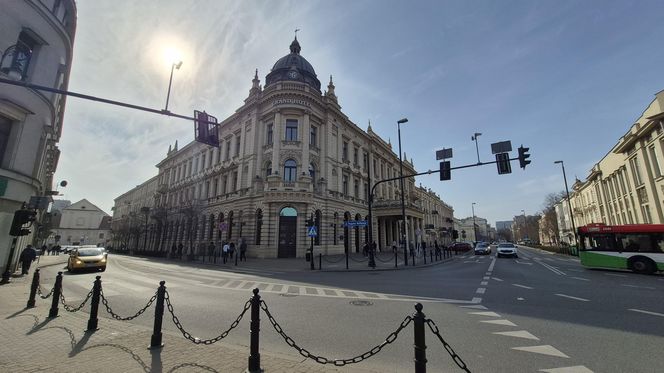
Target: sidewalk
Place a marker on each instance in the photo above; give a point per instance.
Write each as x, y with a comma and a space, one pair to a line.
35, 343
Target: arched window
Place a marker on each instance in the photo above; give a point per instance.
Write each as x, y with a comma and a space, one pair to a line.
290, 171
288, 211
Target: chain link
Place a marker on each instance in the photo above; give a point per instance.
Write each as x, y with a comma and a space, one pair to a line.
195, 340
457, 359
336, 362
389, 260
39, 291
68, 308
326, 260
117, 317
358, 261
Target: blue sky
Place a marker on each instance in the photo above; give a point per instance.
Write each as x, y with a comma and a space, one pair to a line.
565, 78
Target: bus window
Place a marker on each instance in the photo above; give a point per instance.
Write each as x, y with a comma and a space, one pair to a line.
600, 242
639, 242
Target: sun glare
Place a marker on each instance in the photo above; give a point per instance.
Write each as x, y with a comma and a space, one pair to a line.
172, 55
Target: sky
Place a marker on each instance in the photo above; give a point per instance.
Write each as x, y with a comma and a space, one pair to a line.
564, 78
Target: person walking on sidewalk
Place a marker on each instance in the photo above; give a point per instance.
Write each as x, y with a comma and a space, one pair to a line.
28, 255
243, 250
231, 249
224, 251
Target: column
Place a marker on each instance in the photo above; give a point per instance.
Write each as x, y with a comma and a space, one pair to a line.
306, 128
276, 143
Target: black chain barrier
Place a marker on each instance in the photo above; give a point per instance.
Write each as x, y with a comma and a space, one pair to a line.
120, 318
389, 260
336, 362
358, 261
195, 340
457, 359
333, 261
39, 291
69, 308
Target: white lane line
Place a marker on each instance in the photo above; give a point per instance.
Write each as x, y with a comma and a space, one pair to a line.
574, 369
522, 286
551, 268
480, 290
493, 263
487, 274
544, 350
647, 312
476, 300
615, 275
488, 313
497, 279
640, 287
475, 307
581, 278
574, 270
571, 297
484, 283
518, 334
524, 263
499, 322
486, 278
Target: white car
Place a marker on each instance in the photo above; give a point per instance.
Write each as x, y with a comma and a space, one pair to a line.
507, 249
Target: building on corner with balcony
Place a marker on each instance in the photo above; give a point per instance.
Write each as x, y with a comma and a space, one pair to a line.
288, 155
36, 42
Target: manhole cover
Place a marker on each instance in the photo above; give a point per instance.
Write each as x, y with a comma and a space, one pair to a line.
288, 295
361, 303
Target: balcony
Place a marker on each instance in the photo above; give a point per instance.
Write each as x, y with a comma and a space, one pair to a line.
15, 61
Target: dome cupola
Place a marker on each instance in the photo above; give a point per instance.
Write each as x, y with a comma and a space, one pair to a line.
293, 67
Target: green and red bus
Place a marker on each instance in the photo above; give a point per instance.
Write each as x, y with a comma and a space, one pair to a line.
637, 247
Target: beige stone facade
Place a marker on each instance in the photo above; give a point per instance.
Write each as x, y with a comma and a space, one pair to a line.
289, 154
627, 185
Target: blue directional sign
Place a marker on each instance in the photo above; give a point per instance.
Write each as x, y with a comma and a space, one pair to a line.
355, 223
312, 232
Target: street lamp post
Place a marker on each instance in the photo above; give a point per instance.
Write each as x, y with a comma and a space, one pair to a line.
569, 203
146, 211
404, 235
170, 81
472, 206
477, 147
525, 225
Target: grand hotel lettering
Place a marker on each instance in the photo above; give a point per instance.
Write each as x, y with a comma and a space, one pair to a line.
290, 101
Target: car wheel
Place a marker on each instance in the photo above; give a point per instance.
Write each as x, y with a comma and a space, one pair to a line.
642, 265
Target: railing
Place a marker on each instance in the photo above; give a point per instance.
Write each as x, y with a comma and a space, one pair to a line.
162, 301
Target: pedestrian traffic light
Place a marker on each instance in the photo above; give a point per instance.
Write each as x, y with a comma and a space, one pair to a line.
22, 217
523, 157
503, 163
445, 170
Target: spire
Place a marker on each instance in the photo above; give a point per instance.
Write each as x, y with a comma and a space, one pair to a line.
330, 90
295, 46
176, 146
369, 128
255, 86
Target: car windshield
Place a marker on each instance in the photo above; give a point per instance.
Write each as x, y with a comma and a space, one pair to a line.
506, 245
89, 252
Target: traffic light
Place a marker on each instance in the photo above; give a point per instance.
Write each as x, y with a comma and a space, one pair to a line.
523, 157
503, 163
455, 234
445, 170
22, 217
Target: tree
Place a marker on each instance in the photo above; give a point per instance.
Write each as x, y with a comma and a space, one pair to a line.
505, 234
550, 224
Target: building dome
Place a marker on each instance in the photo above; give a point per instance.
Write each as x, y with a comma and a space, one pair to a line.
293, 67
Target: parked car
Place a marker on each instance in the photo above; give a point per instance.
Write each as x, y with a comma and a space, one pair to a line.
461, 246
69, 248
87, 258
482, 248
507, 249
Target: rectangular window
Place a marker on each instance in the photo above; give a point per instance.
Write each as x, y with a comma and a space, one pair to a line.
291, 130
365, 161
345, 185
355, 156
5, 130
356, 188
366, 191
312, 136
228, 150
237, 145
234, 180
344, 153
634, 164
17, 58
647, 219
269, 135
654, 162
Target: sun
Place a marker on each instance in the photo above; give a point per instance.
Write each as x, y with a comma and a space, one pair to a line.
172, 55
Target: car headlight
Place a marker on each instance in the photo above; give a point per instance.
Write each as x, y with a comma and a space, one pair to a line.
78, 261
103, 260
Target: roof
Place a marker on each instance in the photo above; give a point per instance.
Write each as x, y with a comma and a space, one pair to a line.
293, 67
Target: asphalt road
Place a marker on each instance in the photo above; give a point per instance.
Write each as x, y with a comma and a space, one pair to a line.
538, 313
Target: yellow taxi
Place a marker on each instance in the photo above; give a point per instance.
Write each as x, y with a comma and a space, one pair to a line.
87, 258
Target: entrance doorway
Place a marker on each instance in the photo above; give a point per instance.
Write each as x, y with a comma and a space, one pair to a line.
287, 233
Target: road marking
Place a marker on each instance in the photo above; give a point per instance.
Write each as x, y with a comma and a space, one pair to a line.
484, 283
518, 334
551, 268
476, 300
493, 263
574, 369
581, 278
476, 307
524, 263
499, 322
647, 312
615, 275
480, 290
488, 274
544, 350
640, 287
522, 286
497, 279
574, 270
488, 313
519, 298
571, 297
486, 277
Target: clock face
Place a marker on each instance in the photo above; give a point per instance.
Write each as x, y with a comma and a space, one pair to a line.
292, 74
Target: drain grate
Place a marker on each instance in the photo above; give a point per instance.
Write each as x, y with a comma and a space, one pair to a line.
361, 303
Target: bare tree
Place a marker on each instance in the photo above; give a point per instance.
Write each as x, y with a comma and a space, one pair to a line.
550, 224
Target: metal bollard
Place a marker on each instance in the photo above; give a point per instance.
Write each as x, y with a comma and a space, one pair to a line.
431, 256
33, 289
320, 261
346, 259
420, 343
236, 255
255, 327
94, 306
424, 255
53, 312
395, 259
155, 341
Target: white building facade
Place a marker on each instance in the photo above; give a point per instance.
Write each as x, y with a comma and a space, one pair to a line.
82, 223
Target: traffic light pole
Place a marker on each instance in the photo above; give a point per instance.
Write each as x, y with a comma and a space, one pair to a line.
6, 275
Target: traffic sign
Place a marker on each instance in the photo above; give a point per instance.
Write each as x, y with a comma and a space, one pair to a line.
355, 223
223, 226
312, 231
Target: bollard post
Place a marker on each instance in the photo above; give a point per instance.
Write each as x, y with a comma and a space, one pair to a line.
395, 259
53, 312
431, 255
33, 289
320, 261
346, 259
420, 343
424, 255
155, 341
94, 306
255, 327
236, 255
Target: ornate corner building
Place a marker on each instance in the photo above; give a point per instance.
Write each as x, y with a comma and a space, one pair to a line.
288, 155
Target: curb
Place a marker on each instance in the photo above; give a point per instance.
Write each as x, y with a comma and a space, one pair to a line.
402, 268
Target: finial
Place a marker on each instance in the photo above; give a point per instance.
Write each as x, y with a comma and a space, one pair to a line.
256, 75
369, 128
295, 45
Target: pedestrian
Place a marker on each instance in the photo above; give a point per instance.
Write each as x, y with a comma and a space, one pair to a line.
28, 255
231, 249
210, 250
224, 251
180, 247
243, 250
43, 250
217, 253
365, 249
373, 247
174, 250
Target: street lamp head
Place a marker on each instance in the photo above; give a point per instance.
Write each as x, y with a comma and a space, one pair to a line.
556, 162
177, 65
403, 120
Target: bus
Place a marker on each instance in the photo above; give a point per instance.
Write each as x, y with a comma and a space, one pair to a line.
637, 247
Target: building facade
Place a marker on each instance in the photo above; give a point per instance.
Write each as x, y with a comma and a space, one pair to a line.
82, 223
480, 232
288, 155
36, 42
627, 185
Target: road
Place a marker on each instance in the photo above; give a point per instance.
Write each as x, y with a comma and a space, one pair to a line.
537, 313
